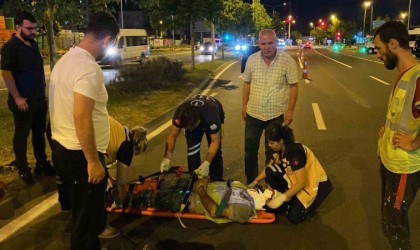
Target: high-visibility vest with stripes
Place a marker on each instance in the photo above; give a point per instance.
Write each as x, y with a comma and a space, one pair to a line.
399, 117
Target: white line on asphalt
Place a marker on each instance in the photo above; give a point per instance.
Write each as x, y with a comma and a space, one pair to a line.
21, 221
216, 78
379, 62
318, 117
379, 80
348, 66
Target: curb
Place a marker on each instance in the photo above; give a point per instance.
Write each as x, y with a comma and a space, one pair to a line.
28, 193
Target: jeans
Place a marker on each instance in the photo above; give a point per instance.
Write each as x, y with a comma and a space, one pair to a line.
33, 119
395, 205
194, 138
87, 200
253, 130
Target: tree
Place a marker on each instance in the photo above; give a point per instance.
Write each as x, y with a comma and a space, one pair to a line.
236, 18
47, 12
186, 12
261, 18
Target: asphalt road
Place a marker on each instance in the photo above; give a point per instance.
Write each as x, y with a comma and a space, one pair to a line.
338, 116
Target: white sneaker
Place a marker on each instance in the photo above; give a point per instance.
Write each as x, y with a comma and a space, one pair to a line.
109, 232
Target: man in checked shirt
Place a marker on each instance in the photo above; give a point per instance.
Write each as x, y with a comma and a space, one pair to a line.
269, 95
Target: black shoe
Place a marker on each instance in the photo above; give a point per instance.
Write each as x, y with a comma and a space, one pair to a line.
45, 169
26, 175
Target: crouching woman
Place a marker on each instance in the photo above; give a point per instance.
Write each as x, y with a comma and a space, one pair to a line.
296, 178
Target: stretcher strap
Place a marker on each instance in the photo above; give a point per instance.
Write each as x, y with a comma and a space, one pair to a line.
400, 193
223, 203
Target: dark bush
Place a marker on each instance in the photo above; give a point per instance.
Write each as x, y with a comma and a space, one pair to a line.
158, 73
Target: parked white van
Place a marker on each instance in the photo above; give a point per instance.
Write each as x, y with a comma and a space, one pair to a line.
131, 45
413, 34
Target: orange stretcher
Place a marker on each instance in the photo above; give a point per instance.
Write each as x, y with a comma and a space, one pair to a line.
262, 216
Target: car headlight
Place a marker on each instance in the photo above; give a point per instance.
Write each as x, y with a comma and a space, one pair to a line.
244, 47
237, 47
201, 48
210, 48
111, 52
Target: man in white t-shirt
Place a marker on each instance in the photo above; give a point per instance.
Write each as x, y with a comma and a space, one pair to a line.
80, 128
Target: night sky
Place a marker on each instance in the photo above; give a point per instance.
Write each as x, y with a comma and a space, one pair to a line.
311, 10
307, 11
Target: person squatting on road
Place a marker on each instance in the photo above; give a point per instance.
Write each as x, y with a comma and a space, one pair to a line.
399, 139
294, 174
23, 73
269, 95
199, 115
80, 129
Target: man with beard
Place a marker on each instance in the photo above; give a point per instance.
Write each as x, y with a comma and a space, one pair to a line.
80, 128
23, 72
269, 95
399, 139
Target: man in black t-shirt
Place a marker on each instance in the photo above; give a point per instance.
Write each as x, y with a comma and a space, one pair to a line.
199, 115
23, 72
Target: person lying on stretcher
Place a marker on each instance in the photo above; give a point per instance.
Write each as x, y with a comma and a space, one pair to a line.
220, 201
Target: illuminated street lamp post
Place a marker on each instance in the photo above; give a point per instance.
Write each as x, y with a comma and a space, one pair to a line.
366, 5
160, 22
403, 15
409, 13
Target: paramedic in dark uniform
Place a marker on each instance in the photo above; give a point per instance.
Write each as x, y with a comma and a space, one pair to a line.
199, 115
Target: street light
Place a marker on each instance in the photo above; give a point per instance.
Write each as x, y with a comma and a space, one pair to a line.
403, 15
366, 5
408, 19
289, 19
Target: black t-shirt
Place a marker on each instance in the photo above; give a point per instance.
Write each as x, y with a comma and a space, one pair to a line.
27, 67
211, 113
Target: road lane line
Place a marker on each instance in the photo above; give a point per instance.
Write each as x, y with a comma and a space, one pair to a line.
318, 117
379, 80
21, 221
348, 66
215, 79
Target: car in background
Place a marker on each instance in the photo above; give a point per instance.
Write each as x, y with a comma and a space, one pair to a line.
281, 43
337, 46
251, 50
416, 48
307, 45
207, 48
241, 48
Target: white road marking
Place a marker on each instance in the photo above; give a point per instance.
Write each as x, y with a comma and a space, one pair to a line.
348, 66
379, 80
229, 84
215, 79
318, 117
21, 221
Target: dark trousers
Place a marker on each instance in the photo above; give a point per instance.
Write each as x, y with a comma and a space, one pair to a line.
296, 213
253, 130
194, 139
33, 119
398, 193
87, 200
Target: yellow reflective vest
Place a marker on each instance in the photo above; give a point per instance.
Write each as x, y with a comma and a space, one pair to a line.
399, 117
315, 174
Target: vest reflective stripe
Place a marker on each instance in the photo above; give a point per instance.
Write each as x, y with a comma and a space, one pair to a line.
400, 118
